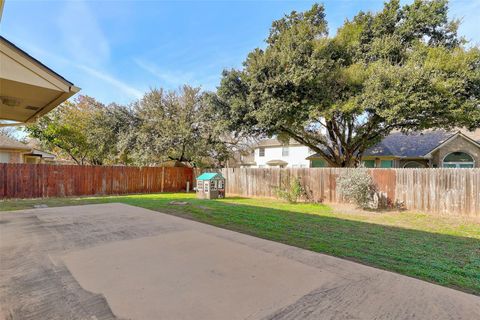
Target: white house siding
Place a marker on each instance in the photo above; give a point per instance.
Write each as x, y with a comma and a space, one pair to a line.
296, 156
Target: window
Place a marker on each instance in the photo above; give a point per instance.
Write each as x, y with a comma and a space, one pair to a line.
213, 185
369, 163
449, 165
4, 157
284, 151
199, 184
386, 164
206, 184
220, 184
261, 152
458, 160
414, 164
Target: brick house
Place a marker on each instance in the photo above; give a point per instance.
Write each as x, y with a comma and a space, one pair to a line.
13, 151
428, 149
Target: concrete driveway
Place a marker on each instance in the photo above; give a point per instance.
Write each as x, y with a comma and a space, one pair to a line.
115, 261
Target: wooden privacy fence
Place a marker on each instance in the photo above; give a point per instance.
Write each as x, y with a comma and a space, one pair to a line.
41, 181
446, 191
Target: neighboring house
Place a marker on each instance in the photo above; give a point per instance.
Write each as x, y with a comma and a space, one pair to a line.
428, 149
13, 151
242, 159
28, 90
274, 153
431, 149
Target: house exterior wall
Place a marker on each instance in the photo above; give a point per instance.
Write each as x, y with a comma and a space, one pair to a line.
378, 161
13, 155
458, 144
403, 162
296, 158
16, 157
298, 154
32, 159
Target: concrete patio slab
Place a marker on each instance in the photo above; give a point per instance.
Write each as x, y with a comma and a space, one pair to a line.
193, 275
115, 261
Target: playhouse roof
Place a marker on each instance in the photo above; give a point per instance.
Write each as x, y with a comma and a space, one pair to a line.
210, 176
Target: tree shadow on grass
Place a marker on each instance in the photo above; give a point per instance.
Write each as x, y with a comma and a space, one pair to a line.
448, 260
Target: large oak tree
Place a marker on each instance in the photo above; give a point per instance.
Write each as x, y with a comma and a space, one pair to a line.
404, 68
177, 125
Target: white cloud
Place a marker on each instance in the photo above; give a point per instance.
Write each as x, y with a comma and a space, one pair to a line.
175, 79
172, 79
127, 89
81, 34
98, 73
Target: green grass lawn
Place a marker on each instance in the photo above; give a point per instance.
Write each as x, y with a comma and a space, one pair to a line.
442, 250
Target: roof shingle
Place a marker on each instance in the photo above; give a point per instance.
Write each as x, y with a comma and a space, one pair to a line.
412, 145
9, 143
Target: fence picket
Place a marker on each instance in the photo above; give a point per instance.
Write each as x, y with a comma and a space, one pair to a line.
43, 181
444, 191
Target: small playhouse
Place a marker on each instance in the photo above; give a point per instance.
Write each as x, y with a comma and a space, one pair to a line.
210, 185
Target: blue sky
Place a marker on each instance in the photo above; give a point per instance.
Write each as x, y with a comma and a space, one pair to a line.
116, 50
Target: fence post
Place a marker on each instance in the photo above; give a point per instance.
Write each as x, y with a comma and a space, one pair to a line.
163, 179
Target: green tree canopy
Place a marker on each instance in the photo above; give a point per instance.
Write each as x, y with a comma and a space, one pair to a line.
162, 126
84, 130
404, 68
176, 125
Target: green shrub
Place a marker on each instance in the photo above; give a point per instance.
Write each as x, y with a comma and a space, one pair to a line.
292, 192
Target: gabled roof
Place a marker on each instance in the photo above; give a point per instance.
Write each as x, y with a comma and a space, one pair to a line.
318, 155
9, 143
43, 154
459, 133
314, 156
210, 176
413, 145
